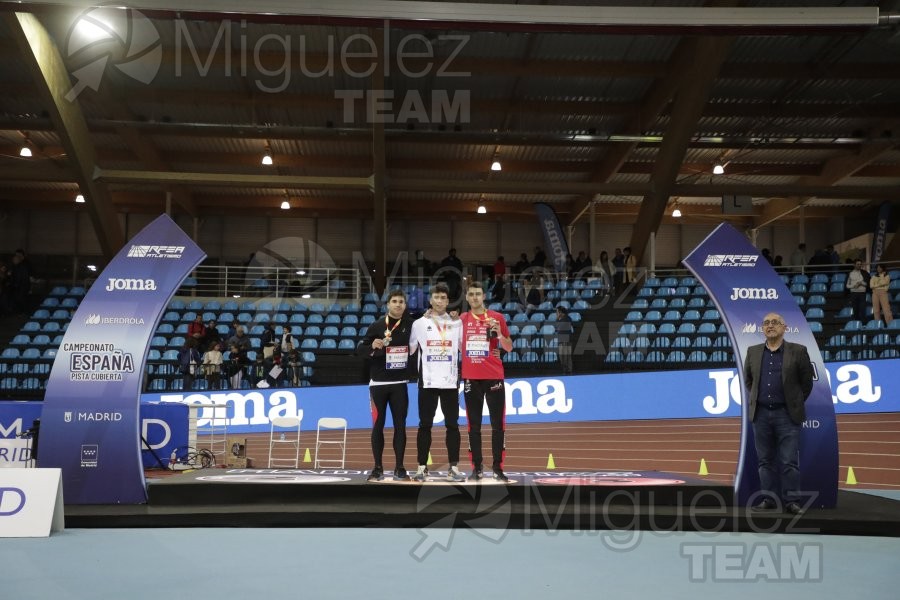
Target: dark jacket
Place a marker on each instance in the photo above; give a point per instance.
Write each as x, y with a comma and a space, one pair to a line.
796, 374
378, 370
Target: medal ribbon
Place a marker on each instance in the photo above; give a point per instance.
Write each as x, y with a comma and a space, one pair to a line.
388, 332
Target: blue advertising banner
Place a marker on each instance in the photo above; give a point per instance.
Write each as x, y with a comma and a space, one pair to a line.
89, 426
745, 287
163, 426
554, 240
859, 387
884, 213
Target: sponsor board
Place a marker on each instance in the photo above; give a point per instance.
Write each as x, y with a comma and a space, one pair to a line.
858, 387
141, 251
730, 260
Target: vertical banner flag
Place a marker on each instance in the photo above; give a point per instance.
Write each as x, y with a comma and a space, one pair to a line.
884, 213
745, 288
89, 425
554, 240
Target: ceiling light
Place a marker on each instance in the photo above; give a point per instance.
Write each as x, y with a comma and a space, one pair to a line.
306, 296
718, 170
25, 152
676, 213
301, 272
267, 159
235, 295
285, 205
79, 199
481, 209
92, 268
496, 166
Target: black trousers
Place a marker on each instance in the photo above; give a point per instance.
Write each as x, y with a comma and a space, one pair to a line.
395, 396
477, 392
428, 403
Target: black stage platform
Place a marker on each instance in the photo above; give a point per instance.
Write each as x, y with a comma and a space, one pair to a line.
584, 500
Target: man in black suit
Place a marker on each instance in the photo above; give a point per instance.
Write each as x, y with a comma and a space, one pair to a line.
779, 375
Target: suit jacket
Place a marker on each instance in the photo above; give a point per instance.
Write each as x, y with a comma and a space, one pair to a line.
796, 375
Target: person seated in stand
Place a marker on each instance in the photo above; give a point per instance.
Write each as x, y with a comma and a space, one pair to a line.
240, 339
234, 368
293, 369
197, 329
258, 372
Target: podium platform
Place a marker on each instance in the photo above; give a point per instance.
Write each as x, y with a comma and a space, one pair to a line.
584, 500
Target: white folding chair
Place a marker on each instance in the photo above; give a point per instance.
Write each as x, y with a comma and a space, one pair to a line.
284, 434
326, 423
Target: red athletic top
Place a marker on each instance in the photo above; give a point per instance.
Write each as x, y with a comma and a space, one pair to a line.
477, 347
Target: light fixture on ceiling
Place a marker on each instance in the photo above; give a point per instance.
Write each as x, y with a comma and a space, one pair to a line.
25, 152
496, 166
301, 272
79, 199
267, 159
92, 268
718, 169
481, 209
285, 205
676, 213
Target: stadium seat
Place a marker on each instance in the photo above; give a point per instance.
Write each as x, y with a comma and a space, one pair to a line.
815, 313
661, 342
615, 357
676, 356
697, 356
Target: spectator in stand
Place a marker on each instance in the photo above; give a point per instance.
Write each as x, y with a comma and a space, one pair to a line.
269, 340
880, 282
293, 370
521, 266
258, 371
212, 335
534, 293
820, 260
858, 284
501, 291
767, 254
630, 266
583, 265
499, 268
798, 258
20, 281
618, 262
234, 367
212, 365
607, 270
452, 268
197, 330
778, 263
240, 339
189, 363
833, 256
539, 257
570, 266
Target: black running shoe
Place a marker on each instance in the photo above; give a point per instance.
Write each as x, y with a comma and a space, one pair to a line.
400, 474
377, 474
499, 475
478, 474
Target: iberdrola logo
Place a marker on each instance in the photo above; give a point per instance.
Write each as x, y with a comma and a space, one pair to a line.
109, 36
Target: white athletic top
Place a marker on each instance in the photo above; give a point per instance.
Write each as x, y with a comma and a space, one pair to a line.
440, 339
